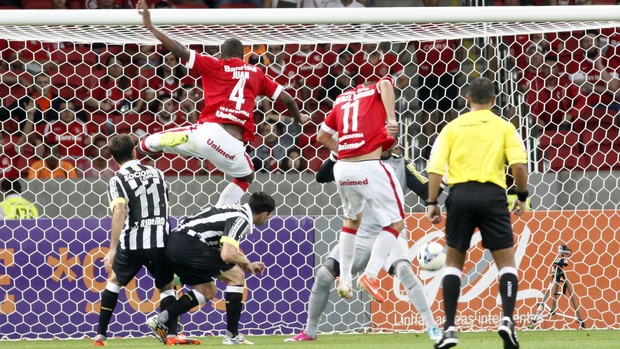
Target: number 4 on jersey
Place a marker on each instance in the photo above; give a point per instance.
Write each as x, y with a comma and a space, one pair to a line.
237, 94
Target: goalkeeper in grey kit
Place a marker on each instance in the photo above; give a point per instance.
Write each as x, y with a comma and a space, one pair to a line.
398, 263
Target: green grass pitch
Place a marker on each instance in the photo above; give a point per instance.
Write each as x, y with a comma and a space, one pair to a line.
575, 339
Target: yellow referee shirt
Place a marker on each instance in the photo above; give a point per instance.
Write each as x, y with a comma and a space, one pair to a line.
475, 147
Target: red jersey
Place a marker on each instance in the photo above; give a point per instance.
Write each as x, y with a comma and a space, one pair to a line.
437, 57
71, 136
359, 119
230, 88
551, 103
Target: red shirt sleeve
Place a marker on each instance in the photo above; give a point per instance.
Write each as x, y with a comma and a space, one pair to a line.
270, 88
202, 63
330, 120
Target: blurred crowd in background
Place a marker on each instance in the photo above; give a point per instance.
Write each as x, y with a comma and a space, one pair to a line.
61, 101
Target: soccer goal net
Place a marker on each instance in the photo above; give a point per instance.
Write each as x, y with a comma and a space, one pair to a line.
82, 77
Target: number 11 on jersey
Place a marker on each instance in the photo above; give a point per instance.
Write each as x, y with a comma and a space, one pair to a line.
350, 109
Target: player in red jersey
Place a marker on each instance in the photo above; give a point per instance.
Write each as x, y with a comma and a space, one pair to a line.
358, 118
230, 87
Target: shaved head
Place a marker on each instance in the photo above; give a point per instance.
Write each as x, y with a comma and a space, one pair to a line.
232, 48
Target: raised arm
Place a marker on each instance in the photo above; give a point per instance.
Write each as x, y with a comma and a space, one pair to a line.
290, 104
388, 97
172, 45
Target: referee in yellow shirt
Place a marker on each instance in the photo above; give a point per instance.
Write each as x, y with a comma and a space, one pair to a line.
474, 148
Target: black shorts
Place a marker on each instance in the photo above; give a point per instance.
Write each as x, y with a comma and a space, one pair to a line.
193, 261
438, 92
478, 205
127, 263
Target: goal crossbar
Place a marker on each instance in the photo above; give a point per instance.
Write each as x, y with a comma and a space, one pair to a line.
321, 25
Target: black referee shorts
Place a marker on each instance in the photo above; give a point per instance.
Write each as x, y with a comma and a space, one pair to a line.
474, 205
193, 261
127, 263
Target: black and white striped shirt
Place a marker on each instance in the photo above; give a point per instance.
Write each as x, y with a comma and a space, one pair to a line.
216, 224
144, 191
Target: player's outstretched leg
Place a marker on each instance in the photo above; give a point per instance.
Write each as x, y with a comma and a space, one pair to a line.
323, 284
415, 293
157, 142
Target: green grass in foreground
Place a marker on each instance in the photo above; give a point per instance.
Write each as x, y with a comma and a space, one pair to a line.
576, 339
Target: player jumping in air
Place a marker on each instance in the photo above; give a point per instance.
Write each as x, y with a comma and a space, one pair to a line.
398, 263
227, 121
359, 118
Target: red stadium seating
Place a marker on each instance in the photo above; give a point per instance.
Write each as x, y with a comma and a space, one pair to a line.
601, 149
77, 54
190, 6
561, 148
37, 4
601, 117
176, 165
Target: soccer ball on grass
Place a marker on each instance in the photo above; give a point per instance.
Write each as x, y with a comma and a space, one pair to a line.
432, 256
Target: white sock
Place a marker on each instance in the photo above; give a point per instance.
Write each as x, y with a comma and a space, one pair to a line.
415, 293
231, 194
380, 252
347, 250
152, 144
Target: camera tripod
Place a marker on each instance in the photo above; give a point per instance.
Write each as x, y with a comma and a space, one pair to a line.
558, 279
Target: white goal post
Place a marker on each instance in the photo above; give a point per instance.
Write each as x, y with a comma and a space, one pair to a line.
382, 23
50, 270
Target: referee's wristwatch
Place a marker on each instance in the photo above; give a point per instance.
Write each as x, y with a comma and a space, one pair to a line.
431, 202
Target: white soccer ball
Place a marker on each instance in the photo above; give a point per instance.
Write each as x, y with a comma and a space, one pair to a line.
432, 256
